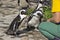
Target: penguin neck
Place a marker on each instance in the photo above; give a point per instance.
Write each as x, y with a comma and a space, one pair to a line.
22, 16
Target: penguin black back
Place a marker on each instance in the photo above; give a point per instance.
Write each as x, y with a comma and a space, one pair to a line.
14, 25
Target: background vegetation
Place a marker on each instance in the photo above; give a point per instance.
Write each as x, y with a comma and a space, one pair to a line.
47, 12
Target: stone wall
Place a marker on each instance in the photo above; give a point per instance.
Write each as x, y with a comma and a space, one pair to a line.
8, 6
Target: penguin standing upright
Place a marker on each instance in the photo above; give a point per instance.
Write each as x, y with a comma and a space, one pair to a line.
15, 23
34, 19
31, 23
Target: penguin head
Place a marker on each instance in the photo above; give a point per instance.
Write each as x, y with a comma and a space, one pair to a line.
38, 13
23, 12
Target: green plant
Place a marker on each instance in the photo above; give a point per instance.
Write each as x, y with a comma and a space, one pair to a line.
47, 12
29, 11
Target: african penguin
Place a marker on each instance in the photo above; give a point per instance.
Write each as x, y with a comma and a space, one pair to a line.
15, 23
32, 23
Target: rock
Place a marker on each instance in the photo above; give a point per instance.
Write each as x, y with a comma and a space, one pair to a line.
1, 39
24, 38
9, 3
30, 36
3, 26
23, 3
8, 11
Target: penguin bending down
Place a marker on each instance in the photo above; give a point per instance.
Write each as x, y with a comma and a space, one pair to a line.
33, 22
15, 23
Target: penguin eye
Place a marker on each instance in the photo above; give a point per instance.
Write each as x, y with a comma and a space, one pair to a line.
38, 14
23, 12
41, 16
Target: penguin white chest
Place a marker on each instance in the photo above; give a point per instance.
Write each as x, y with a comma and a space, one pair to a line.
34, 21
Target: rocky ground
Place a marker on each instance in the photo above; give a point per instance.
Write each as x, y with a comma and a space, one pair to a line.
8, 11
4, 24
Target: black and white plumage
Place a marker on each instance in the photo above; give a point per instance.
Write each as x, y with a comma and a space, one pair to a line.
12, 28
22, 13
16, 22
33, 22
36, 17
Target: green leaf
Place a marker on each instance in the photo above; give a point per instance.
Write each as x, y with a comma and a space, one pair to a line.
29, 11
47, 12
